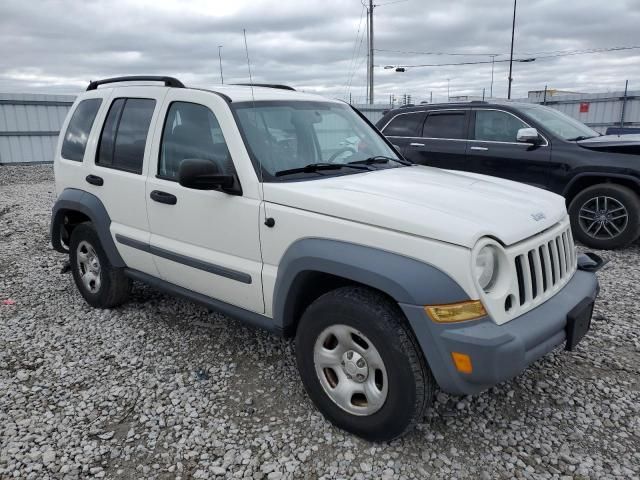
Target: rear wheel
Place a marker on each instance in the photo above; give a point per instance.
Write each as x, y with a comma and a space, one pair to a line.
361, 364
605, 216
101, 285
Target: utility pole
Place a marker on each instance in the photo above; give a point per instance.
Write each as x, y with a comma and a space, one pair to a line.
513, 31
220, 58
448, 95
370, 57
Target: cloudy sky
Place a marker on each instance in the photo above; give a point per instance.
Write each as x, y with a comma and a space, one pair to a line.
58, 46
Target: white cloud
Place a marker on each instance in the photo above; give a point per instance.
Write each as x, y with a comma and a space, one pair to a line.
60, 45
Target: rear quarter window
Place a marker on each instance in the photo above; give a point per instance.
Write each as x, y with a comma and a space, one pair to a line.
77, 134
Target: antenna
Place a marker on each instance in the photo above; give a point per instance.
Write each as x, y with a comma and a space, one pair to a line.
269, 222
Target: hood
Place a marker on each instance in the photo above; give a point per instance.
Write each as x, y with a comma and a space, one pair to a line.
453, 207
618, 143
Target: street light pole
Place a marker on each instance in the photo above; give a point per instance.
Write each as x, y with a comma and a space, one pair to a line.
513, 31
220, 58
493, 63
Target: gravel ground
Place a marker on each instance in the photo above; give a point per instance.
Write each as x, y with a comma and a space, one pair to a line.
162, 389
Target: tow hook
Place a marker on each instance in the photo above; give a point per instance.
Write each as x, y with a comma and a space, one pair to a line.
590, 262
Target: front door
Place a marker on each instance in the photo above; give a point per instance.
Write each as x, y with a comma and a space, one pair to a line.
493, 149
206, 241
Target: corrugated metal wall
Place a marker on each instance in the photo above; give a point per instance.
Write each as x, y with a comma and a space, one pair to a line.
603, 109
29, 126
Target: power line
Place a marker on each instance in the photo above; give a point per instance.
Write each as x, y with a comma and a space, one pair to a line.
353, 53
547, 54
525, 60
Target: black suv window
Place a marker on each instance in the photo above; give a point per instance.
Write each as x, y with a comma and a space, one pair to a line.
497, 126
124, 134
192, 131
404, 125
448, 125
75, 140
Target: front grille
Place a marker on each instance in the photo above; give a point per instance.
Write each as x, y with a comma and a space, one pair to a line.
545, 267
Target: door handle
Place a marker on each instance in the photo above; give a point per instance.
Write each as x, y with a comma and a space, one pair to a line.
163, 197
416, 144
482, 149
94, 180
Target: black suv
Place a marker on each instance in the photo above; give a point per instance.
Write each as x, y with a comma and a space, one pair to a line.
599, 175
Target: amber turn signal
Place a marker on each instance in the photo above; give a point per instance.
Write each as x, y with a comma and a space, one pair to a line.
462, 362
456, 312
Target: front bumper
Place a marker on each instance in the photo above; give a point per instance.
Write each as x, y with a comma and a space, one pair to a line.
498, 352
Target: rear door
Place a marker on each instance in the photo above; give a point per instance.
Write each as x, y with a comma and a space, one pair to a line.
493, 149
119, 160
206, 241
442, 140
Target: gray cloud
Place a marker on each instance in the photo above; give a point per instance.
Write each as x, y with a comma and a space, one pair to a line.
58, 46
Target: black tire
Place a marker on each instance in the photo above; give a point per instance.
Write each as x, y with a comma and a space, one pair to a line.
621, 195
411, 385
113, 287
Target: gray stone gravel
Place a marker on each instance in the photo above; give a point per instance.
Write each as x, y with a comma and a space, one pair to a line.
162, 389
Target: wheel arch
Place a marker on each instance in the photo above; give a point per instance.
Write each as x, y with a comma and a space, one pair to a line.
75, 206
589, 179
313, 266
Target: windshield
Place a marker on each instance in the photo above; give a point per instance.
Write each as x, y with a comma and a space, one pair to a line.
558, 123
284, 136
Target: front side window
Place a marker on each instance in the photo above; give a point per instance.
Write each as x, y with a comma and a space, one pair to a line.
445, 125
404, 125
293, 134
497, 126
192, 131
124, 134
75, 140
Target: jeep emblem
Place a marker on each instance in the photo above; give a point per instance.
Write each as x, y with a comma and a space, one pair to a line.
538, 216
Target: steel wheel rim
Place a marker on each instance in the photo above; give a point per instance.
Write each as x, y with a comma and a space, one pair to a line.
603, 217
88, 266
350, 370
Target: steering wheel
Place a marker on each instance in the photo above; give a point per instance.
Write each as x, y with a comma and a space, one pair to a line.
333, 157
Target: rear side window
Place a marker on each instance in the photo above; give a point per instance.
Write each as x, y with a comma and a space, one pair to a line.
449, 125
75, 140
496, 126
192, 131
404, 125
124, 134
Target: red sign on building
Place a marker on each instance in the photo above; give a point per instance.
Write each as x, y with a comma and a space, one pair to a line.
584, 107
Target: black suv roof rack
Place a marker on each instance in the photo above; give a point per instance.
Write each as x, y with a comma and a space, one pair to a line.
168, 81
267, 85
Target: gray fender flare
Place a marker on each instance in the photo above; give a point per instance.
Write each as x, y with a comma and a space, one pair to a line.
406, 280
72, 199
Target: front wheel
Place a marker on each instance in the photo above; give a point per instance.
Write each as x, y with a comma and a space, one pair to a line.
605, 216
361, 364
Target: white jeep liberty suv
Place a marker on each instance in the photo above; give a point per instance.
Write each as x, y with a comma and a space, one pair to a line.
292, 213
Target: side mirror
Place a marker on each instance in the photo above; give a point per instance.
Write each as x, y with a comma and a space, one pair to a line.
205, 175
528, 135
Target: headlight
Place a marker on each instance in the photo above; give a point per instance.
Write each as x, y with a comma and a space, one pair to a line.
486, 267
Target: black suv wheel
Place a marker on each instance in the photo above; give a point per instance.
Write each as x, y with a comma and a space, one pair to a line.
605, 216
361, 364
101, 285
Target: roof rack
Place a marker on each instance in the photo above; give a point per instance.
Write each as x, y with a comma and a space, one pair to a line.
266, 85
168, 81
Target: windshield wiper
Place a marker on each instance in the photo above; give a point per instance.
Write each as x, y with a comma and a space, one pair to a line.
380, 159
316, 167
